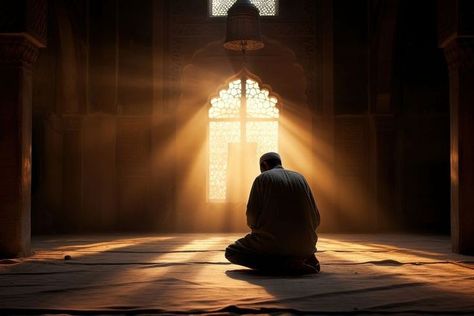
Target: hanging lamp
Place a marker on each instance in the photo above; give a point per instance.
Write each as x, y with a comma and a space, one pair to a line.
243, 27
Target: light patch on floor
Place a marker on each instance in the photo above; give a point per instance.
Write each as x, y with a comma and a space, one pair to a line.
188, 273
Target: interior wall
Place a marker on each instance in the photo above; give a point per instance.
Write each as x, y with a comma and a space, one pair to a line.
422, 101
110, 90
352, 141
93, 110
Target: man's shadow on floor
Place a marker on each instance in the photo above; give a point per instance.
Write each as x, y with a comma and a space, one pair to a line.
249, 274
282, 287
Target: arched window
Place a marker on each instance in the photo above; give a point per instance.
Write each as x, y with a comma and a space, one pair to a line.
243, 121
266, 7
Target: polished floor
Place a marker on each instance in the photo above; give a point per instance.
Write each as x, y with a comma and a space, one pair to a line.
187, 273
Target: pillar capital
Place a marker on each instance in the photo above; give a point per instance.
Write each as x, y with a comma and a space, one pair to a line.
25, 18
17, 49
23, 26
459, 53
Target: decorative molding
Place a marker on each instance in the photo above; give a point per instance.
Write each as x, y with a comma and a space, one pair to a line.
459, 54
17, 49
36, 20
25, 17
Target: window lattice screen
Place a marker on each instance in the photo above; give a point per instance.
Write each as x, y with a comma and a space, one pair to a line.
266, 7
227, 120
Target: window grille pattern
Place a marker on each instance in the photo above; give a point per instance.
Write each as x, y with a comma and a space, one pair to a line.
266, 7
226, 119
227, 105
265, 134
259, 104
221, 134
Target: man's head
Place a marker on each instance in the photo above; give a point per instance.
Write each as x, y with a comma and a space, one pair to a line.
269, 161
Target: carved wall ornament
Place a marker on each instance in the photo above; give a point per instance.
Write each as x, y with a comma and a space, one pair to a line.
459, 54
36, 23
16, 49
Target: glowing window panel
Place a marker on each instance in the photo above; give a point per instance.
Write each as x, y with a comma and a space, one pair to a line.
266, 7
220, 135
225, 121
265, 134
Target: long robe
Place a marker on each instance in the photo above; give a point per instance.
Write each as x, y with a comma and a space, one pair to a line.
282, 215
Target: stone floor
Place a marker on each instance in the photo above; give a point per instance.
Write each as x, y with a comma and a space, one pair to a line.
187, 273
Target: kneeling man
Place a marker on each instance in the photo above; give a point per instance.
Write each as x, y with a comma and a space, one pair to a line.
283, 217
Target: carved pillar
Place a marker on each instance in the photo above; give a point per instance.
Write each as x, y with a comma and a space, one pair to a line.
22, 32
460, 57
456, 37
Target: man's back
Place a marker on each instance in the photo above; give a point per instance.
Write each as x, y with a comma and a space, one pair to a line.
282, 214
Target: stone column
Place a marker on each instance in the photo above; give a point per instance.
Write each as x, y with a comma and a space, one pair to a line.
460, 57
22, 32
456, 37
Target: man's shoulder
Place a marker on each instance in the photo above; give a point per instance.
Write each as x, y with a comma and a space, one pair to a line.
296, 173
291, 172
262, 176
278, 171
296, 176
